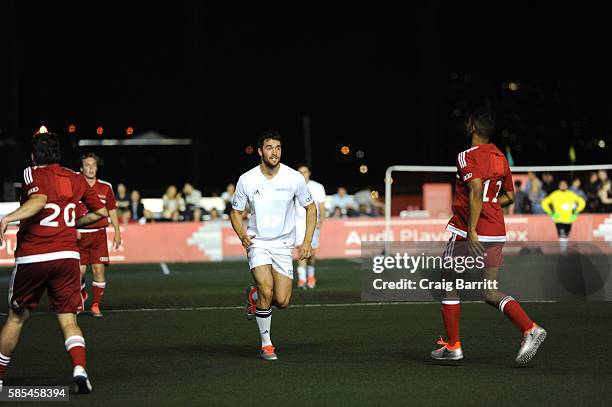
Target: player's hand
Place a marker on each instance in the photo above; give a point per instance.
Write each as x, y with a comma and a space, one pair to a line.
117, 241
305, 251
574, 217
474, 246
246, 241
78, 235
555, 217
3, 227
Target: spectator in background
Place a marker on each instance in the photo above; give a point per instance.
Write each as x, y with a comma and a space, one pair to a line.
227, 197
576, 188
138, 213
173, 204
548, 182
364, 211
522, 204
373, 206
533, 188
592, 192
126, 217
192, 197
604, 191
345, 202
123, 201
215, 215
337, 213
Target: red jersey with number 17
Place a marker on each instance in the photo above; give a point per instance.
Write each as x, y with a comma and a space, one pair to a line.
51, 234
487, 162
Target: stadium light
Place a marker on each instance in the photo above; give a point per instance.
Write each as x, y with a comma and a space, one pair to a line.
129, 131
100, 130
43, 129
363, 169
513, 86
345, 150
601, 144
71, 128
374, 194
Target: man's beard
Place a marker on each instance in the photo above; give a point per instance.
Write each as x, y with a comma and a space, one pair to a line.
268, 164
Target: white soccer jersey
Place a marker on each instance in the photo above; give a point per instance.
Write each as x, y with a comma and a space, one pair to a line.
272, 205
318, 196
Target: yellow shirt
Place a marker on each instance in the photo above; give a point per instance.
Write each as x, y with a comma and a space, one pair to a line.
565, 206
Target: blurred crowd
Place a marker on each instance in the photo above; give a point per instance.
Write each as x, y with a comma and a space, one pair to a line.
596, 190
185, 204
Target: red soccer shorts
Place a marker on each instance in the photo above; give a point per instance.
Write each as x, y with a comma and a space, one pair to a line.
61, 278
93, 247
457, 246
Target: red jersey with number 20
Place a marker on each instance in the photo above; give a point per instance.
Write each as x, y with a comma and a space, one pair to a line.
51, 234
487, 162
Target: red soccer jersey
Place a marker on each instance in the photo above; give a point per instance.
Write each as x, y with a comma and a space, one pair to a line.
104, 190
486, 162
51, 234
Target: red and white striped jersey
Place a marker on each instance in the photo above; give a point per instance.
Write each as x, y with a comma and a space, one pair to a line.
51, 234
487, 162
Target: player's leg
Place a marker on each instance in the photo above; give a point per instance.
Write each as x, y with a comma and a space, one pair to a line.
99, 259
65, 299
84, 293
451, 309
264, 279
300, 233
533, 335
301, 271
312, 260
26, 286
9, 337
563, 230
98, 287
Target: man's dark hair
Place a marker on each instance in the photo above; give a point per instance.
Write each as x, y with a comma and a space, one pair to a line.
518, 183
85, 156
46, 148
484, 120
268, 134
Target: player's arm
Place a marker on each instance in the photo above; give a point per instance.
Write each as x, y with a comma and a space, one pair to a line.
506, 198
115, 222
236, 219
311, 224
92, 217
475, 198
580, 202
238, 205
546, 205
31, 207
322, 213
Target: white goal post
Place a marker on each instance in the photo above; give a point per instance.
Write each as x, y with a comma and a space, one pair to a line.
452, 169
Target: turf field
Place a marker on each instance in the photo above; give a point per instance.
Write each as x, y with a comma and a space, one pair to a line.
182, 339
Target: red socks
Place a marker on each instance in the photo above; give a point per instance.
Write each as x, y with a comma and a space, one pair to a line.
451, 313
75, 345
98, 291
515, 312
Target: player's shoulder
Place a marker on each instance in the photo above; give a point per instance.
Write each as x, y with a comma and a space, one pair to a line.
315, 184
465, 155
249, 175
105, 184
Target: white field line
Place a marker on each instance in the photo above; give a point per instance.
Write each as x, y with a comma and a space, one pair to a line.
241, 307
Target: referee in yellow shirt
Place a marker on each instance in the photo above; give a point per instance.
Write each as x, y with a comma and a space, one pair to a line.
563, 206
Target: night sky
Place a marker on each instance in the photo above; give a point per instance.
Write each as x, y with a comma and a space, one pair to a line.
395, 83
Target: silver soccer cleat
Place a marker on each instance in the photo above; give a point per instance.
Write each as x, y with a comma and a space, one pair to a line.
444, 353
530, 345
267, 353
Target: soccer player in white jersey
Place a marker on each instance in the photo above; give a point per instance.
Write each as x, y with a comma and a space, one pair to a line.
270, 190
306, 267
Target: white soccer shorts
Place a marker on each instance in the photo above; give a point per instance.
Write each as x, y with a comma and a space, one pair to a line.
280, 259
